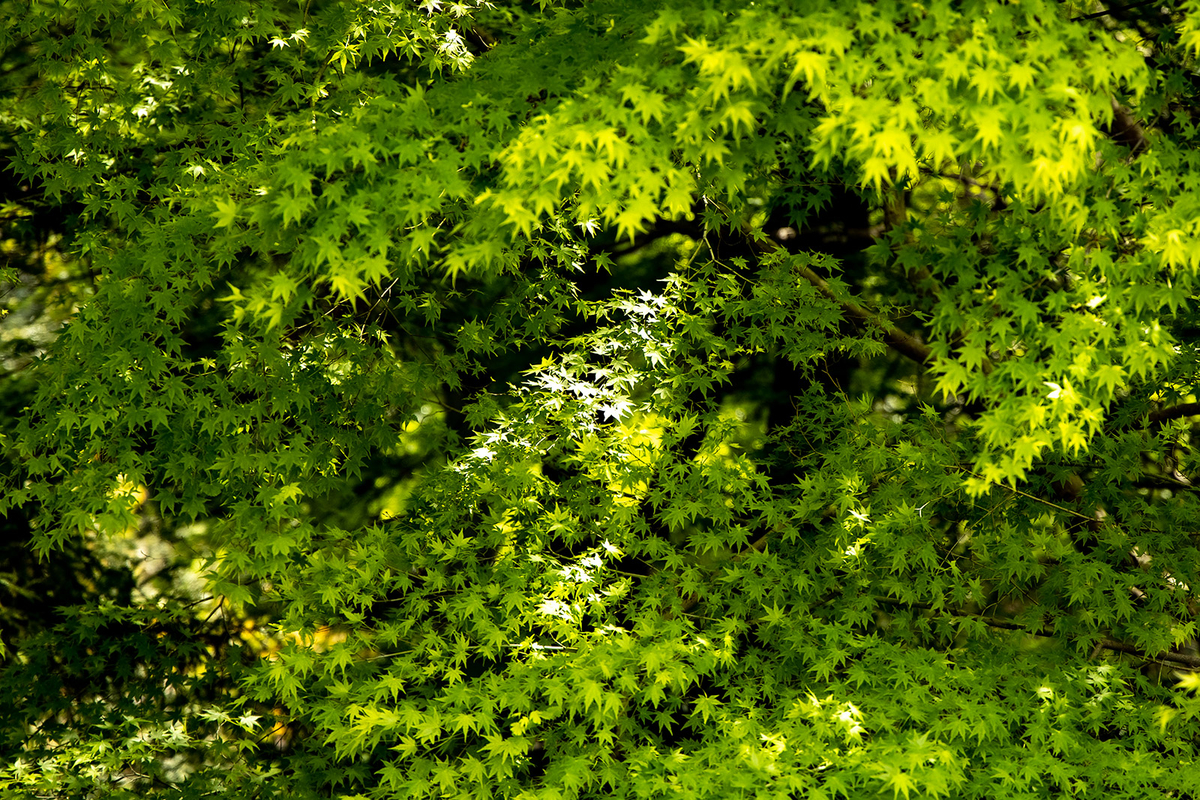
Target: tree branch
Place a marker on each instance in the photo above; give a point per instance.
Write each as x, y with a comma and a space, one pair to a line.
1106, 12
691, 600
1157, 418
903, 343
994, 622
1127, 131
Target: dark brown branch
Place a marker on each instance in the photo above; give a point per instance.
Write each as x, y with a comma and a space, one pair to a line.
998, 202
661, 230
1106, 12
1157, 418
897, 339
691, 600
1151, 482
903, 343
1177, 658
1127, 131
994, 622
1190, 661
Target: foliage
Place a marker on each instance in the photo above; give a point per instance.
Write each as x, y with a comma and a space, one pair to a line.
690, 399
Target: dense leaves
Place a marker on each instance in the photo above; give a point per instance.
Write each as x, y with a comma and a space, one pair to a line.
692, 399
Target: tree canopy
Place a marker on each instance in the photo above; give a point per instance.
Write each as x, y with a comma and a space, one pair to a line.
681, 398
